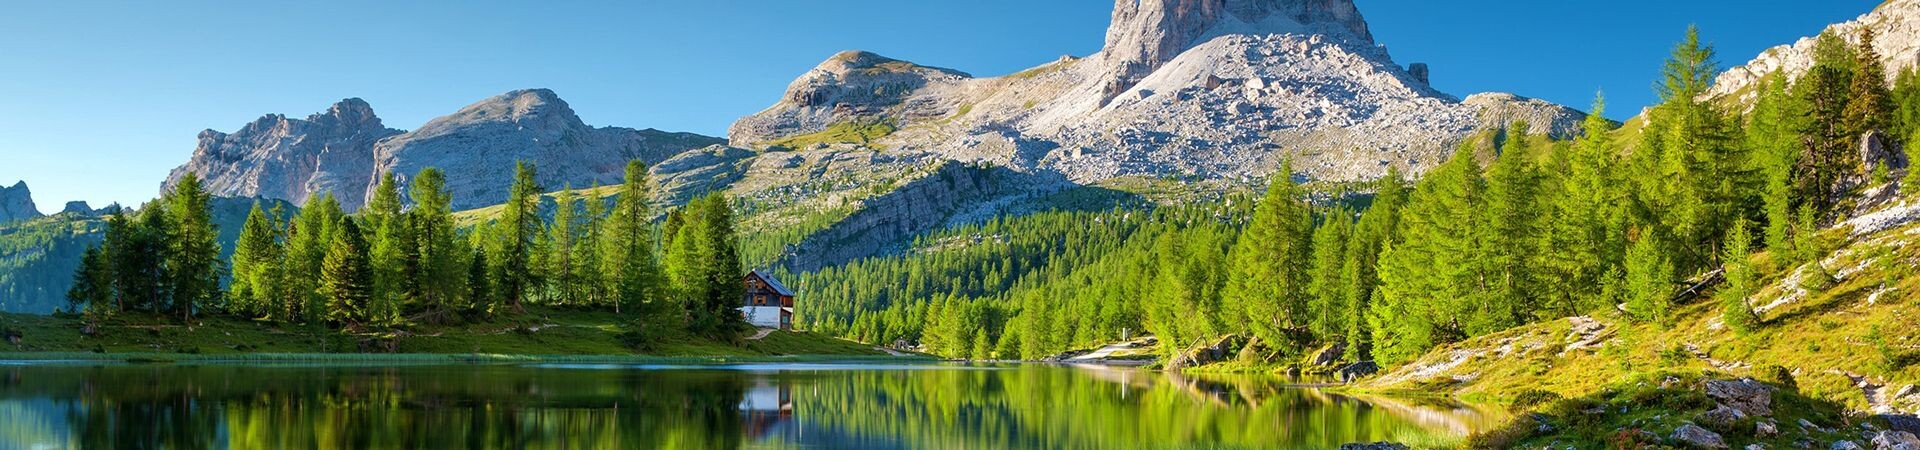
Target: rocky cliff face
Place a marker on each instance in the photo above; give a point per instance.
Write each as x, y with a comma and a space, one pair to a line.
287, 159
478, 145
345, 149
1896, 24
1216, 89
16, 203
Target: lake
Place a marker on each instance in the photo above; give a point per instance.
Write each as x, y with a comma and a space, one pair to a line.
573, 406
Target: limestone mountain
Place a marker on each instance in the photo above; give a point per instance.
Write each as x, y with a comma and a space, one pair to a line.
1218, 89
284, 158
345, 150
16, 203
1896, 23
478, 145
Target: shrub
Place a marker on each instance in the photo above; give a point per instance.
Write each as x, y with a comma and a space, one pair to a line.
1533, 398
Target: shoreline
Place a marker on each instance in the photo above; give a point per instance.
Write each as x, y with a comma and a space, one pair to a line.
432, 358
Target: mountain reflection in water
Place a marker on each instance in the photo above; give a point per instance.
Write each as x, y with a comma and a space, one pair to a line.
692, 407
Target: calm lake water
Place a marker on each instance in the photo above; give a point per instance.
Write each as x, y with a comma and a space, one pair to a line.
193, 406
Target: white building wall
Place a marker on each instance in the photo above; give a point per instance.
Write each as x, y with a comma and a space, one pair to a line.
762, 316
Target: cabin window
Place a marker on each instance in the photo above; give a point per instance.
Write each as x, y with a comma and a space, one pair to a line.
760, 300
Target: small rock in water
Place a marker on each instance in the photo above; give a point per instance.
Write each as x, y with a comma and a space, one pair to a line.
1697, 437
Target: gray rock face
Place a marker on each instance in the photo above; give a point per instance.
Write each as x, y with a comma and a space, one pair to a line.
1695, 437
478, 145
79, 207
1214, 89
16, 203
287, 159
1895, 439
1147, 34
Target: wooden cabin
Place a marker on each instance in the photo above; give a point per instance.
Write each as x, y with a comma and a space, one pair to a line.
768, 304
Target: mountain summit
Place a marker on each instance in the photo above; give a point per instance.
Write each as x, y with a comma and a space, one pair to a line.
346, 149
1216, 89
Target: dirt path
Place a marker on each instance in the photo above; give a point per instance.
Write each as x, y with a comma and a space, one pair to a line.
761, 334
1876, 403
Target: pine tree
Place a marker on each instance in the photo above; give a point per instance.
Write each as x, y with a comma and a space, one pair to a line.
1649, 280
1378, 226
561, 235
392, 247
1742, 281
1691, 176
519, 226
631, 267
587, 252
347, 276
1773, 137
136, 251
443, 272
1511, 228
1869, 103
92, 290
479, 295
309, 238
193, 248
1328, 281
1587, 221
1435, 275
255, 256
1270, 263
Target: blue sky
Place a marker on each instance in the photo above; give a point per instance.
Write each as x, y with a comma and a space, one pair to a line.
103, 98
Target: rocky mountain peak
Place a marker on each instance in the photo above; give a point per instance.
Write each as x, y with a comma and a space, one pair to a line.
289, 159
1896, 25
478, 145
16, 203
1146, 34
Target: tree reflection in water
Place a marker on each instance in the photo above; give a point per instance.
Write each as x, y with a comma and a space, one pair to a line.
572, 407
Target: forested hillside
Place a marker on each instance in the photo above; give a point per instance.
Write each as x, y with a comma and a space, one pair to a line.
1480, 244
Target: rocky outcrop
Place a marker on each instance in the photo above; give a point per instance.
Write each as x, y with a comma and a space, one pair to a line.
1215, 89
289, 159
1895, 22
478, 145
1695, 437
16, 203
1747, 395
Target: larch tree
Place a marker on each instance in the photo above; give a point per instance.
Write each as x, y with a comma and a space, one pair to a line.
1269, 285
193, 248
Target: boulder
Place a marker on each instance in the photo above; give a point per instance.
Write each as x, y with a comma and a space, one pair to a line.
1356, 370
1901, 422
1765, 428
1746, 394
1330, 355
1895, 439
1696, 437
1723, 417
1845, 445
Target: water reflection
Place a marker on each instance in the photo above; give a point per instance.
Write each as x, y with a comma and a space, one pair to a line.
505, 406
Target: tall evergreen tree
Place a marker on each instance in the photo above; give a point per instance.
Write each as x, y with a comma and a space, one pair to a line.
561, 235
1649, 280
1378, 226
347, 276
1743, 280
1692, 177
393, 251
256, 256
309, 237
1328, 281
1512, 226
630, 263
1870, 105
193, 248
1270, 263
1586, 230
442, 274
92, 290
1433, 277
1774, 139
519, 226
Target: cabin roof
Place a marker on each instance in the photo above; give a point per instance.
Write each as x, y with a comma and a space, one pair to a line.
772, 283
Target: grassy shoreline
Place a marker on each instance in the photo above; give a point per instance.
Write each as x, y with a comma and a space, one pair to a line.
435, 358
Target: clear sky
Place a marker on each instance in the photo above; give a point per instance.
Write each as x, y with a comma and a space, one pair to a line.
103, 98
